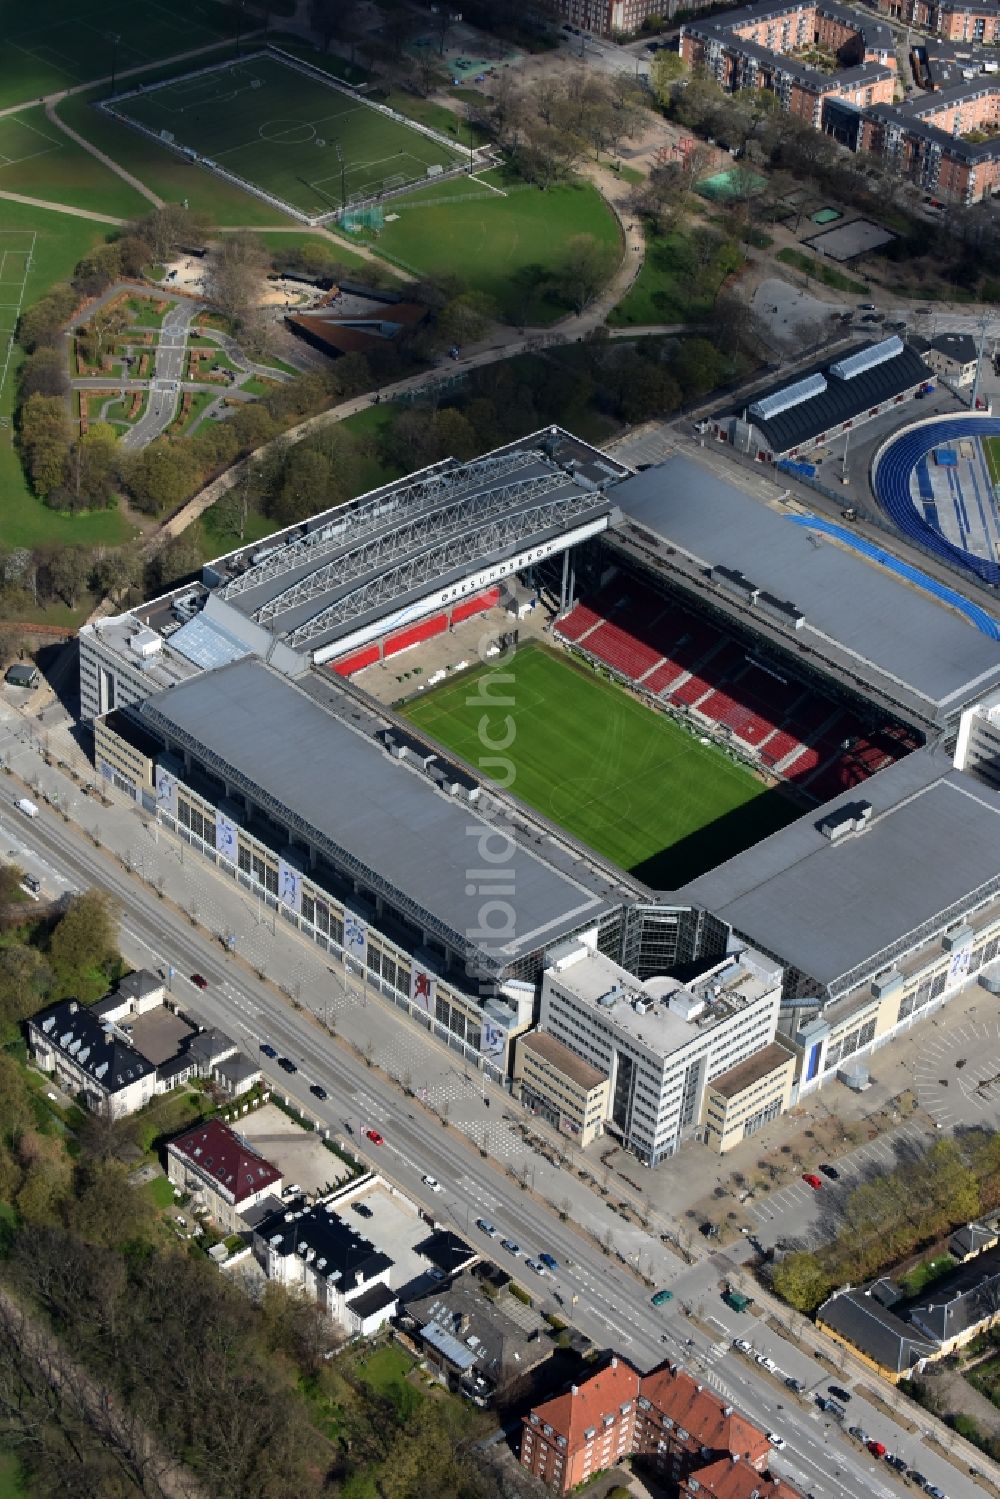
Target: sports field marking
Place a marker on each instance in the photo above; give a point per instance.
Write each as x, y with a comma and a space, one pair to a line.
8, 333
991, 451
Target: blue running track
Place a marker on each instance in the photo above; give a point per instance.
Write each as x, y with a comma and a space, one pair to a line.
891, 480
982, 621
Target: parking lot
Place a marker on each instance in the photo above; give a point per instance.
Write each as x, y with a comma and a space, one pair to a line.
298, 1154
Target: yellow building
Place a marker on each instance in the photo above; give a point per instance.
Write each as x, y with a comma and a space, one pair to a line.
125, 754
741, 1101
556, 1083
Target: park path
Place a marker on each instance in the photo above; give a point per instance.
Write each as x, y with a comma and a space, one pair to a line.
76, 213
335, 239
123, 73
101, 156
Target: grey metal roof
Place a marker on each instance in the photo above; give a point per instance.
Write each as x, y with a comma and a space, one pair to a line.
327, 776
830, 909
846, 600
873, 1330
840, 401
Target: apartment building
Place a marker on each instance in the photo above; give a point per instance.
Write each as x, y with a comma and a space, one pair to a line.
222, 1172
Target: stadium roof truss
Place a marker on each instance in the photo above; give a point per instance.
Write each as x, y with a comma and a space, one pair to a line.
430, 526
419, 495
481, 959
480, 541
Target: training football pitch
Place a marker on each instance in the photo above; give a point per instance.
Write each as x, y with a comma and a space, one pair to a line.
303, 141
991, 450
623, 779
54, 43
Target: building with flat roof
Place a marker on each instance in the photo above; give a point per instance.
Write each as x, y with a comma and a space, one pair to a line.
952, 356
659, 1043
741, 1101
555, 1082
901, 930
837, 611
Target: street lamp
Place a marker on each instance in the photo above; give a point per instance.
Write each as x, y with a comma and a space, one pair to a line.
239, 24
343, 174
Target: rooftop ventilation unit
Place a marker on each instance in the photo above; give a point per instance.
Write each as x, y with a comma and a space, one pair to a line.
867, 359
788, 396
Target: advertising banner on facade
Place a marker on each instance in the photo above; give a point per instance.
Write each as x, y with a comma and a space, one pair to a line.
355, 937
166, 791
422, 986
225, 837
290, 887
492, 1043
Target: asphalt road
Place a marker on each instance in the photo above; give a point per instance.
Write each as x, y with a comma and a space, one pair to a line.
603, 1299
169, 371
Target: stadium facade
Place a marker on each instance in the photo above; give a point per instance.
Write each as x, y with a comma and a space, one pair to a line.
235, 712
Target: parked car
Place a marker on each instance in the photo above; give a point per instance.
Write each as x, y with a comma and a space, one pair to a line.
662, 1297
433, 1183
915, 1476
838, 1392
549, 1261
859, 1434
534, 1265
831, 1407
812, 1180
934, 1491
511, 1246
743, 1345
866, 307
896, 1462
362, 1209
877, 1449
268, 1049
486, 1227
798, 1385
767, 1363
287, 1065
776, 1441
318, 1091
199, 980
831, 1172
374, 1136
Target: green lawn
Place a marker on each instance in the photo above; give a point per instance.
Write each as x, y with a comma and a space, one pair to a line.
328, 62
297, 138
822, 272
11, 1486
56, 243
339, 252
39, 160
672, 287
625, 780
505, 246
54, 44
927, 1271
171, 176
160, 1191
991, 449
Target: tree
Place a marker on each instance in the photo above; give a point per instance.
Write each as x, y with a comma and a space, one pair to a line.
84, 944
116, 573
698, 366
45, 440
44, 324
467, 317
161, 476
44, 373
801, 1280
236, 281
664, 71
93, 467
585, 270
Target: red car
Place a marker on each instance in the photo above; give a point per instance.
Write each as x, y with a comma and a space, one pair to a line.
199, 980
374, 1136
812, 1180
877, 1449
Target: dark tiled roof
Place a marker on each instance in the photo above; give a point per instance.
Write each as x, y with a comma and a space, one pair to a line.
375, 1299
875, 1331
841, 401
339, 1252
82, 1037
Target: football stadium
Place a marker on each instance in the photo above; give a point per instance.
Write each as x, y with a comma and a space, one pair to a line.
288, 132
502, 712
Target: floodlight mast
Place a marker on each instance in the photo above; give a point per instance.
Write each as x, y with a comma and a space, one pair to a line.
343, 174
114, 38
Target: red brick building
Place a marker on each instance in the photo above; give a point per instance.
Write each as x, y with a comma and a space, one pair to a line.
955, 20
680, 1428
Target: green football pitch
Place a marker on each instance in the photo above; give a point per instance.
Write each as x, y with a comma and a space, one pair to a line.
625, 780
53, 44
991, 449
303, 141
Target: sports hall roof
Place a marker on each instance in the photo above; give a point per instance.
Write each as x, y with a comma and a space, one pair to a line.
842, 910
854, 613
334, 785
